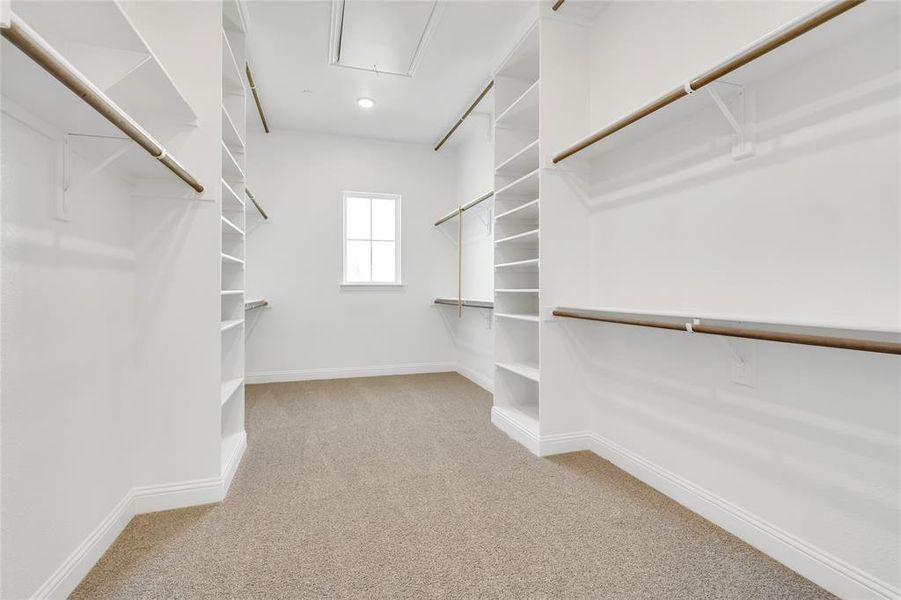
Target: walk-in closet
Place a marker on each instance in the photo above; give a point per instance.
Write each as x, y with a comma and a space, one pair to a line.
450, 299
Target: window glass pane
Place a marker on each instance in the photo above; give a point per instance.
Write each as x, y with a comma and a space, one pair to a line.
358, 263
383, 261
383, 219
358, 218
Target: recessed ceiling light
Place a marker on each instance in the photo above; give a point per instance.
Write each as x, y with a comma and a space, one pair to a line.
366, 102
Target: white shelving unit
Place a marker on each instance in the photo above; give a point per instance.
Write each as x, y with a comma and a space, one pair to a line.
517, 240
233, 222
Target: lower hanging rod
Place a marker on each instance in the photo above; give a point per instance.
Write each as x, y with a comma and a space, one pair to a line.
695, 326
464, 208
466, 303
37, 49
252, 304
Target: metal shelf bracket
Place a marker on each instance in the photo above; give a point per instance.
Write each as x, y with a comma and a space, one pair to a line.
71, 182
739, 116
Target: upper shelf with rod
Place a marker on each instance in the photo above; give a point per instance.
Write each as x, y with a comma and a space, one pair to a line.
102, 43
28, 79
812, 31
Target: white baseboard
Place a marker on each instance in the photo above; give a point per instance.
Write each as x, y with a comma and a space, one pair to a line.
138, 500
822, 568
474, 376
347, 372
72, 570
515, 430
154, 498
562, 443
483, 381
231, 465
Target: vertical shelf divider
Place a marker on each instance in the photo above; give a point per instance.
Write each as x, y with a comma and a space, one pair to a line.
232, 239
517, 243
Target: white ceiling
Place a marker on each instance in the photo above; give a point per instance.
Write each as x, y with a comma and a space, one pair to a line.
289, 55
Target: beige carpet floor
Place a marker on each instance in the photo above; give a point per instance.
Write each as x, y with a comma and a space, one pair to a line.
399, 487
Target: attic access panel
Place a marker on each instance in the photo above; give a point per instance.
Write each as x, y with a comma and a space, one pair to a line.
381, 36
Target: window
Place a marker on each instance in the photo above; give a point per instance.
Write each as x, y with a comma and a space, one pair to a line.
371, 239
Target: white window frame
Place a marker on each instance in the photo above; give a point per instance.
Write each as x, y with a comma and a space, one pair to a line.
398, 236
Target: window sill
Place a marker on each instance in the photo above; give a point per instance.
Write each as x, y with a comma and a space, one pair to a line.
370, 286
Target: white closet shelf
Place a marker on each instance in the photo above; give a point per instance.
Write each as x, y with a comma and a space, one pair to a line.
232, 81
526, 237
465, 303
230, 133
523, 112
516, 291
229, 387
517, 317
230, 166
527, 211
100, 41
229, 228
231, 324
232, 292
524, 161
229, 195
531, 263
522, 369
522, 63
527, 185
228, 258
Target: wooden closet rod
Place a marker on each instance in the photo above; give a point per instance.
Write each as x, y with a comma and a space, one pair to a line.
255, 304
257, 204
37, 49
680, 324
466, 114
464, 208
558, 4
256, 97
762, 46
468, 303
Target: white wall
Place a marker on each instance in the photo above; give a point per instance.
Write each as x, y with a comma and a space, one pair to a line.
68, 336
805, 463
315, 328
472, 335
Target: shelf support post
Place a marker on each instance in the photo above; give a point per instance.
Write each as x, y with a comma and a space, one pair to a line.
459, 262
